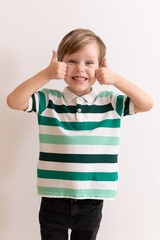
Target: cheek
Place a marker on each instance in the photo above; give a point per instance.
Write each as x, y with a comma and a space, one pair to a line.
93, 72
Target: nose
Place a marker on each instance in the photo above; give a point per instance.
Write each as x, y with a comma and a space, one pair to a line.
80, 67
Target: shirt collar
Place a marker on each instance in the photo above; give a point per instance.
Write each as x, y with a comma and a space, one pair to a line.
89, 97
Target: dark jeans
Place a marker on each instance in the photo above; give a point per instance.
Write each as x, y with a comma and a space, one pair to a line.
57, 215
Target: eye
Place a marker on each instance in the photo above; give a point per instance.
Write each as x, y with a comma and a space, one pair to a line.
72, 61
89, 63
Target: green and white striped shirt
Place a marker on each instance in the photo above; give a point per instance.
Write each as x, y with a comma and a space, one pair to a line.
79, 142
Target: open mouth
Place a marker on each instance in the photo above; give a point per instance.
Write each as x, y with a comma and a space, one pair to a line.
82, 79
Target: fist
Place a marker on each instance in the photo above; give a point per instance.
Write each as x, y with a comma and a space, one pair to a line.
104, 74
56, 70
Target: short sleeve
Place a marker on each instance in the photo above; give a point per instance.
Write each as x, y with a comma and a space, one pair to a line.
122, 105
38, 102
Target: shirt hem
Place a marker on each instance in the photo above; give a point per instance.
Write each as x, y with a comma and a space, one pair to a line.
76, 197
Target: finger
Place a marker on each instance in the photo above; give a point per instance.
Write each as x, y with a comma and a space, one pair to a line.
105, 62
101, 82
54, 56
98, 76
61, 69
98, 79
62, 76
96, 72
99, 72
64, 72
62, 65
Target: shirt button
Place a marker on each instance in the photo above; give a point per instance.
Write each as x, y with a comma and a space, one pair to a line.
79, 110
79, 100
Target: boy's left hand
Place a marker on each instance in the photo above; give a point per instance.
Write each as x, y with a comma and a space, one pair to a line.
104, 74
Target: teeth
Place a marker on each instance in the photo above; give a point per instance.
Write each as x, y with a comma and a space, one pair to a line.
79, 78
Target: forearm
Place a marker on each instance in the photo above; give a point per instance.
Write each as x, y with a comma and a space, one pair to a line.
18, 99
141, 100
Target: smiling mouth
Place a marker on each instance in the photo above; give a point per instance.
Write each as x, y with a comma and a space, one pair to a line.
79, 78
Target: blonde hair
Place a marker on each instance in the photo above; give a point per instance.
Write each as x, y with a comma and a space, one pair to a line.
77, 39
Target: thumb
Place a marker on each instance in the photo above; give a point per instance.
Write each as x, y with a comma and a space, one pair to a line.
54, 57
105, 62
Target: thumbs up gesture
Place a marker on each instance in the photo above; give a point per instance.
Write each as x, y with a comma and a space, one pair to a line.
56, 69
104, 74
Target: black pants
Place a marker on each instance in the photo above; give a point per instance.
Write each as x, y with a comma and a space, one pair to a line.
57, 215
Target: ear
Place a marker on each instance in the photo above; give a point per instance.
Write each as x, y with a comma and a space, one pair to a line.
105, 62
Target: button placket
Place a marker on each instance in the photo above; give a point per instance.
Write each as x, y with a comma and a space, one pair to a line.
79, 110
79, 113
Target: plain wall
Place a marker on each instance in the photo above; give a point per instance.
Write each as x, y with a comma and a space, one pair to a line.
30, 30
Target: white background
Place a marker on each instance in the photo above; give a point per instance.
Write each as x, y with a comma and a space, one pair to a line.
30, 30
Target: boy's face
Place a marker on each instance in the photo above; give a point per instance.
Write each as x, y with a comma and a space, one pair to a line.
81, 67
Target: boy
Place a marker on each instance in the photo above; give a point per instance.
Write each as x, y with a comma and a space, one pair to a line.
79, 134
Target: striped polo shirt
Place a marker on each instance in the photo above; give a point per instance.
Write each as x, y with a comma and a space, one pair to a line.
79, 141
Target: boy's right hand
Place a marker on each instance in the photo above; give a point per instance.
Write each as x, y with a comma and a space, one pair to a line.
56, 69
